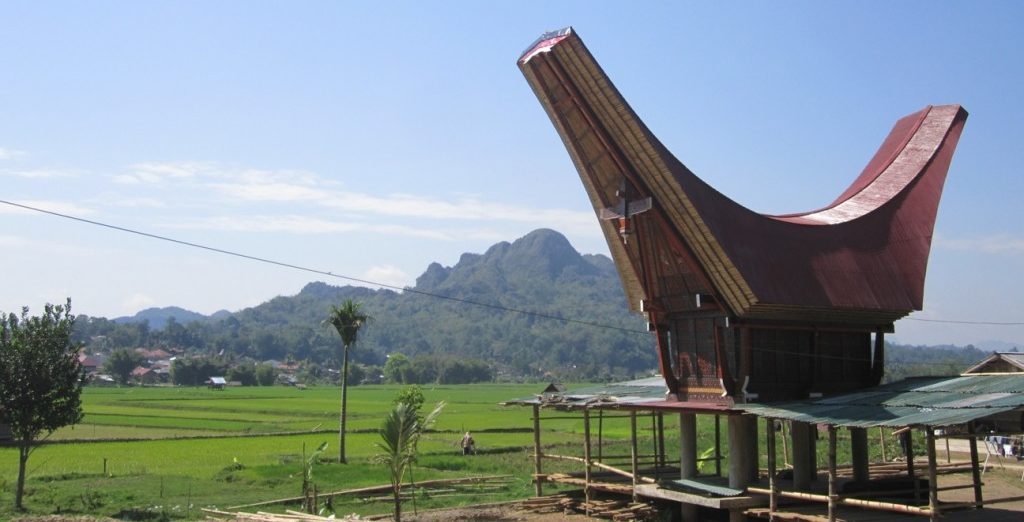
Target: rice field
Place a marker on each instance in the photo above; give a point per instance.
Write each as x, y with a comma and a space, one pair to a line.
161, 453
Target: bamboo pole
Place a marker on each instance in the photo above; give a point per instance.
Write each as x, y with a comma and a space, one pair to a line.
633, 450
538, 484
654, 442
832, 493
785, 444
910, 463
881, 442
718, 445
661, 436
586, 456
933, 478
773, 486
867, 504
600, 433
975, 472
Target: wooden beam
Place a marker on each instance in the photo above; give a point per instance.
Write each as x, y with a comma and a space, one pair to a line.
975, 472
633, 450
586, 456
773, 486
832, 492
538, 484
933, 477
718, 445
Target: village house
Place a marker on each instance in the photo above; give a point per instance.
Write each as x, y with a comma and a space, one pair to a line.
780, 318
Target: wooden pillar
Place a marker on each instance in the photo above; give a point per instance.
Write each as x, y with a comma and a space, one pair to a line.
600, 434
740, 442
909, 434
881, 442
753, 458
687, 445
933, 476
975, 472
718, 445
654, 443
802, 471
586, 456
773, 499
688, 460
538, 480
634, 468
833, 494
661, 438
859, 453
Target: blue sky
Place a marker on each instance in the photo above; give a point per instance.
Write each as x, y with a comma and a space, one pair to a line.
372, 138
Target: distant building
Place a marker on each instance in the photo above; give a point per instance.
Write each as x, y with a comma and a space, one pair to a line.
216, 383
145, 375
998, 362
89, 363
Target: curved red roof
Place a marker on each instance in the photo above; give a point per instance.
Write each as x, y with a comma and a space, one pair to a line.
862, 258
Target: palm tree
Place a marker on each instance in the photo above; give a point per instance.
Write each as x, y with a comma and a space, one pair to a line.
348, 319
399, 437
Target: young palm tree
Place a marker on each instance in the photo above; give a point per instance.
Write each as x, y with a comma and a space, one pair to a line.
399, 436
348, 319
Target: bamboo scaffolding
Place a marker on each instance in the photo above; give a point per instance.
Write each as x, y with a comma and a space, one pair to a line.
869, 504
376, 489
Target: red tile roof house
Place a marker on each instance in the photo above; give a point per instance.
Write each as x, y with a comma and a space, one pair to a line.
145, 375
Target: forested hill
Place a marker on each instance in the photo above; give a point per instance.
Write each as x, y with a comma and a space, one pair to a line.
540, 273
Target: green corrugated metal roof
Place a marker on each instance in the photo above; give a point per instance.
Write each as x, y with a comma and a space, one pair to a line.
651, 389
933, 401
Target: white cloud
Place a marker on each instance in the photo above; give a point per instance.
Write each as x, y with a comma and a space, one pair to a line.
387, 275
296, 224
6, 154
247, 187
38, 173
997, 244
137, 202
60, 207
138, 302
14, 242
152, 173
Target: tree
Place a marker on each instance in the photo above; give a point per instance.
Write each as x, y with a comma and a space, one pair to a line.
266, 375
244, 374
347, 319
399, 437
40, 379
398, 369
411, 396
121, 363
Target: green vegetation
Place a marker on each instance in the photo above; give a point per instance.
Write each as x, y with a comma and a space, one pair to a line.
197, 447
40, 379
236, 461
348, 319
446, 340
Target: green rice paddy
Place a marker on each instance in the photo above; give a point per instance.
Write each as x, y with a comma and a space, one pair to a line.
162, 453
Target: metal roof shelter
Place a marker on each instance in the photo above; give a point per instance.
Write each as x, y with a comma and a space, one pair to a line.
931, 401
1000, 363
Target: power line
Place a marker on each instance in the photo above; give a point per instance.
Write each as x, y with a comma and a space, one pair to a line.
404, 289
322, 272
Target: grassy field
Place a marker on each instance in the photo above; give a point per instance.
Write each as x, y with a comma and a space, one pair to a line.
151, 453
162, 453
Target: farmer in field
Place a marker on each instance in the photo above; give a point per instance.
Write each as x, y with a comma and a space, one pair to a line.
468, 444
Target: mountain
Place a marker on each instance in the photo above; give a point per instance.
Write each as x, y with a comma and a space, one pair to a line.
157, 318
530, 307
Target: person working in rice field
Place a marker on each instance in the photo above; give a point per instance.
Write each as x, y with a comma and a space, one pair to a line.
468, 444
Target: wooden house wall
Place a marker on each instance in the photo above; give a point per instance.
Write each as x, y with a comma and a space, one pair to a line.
711, 361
